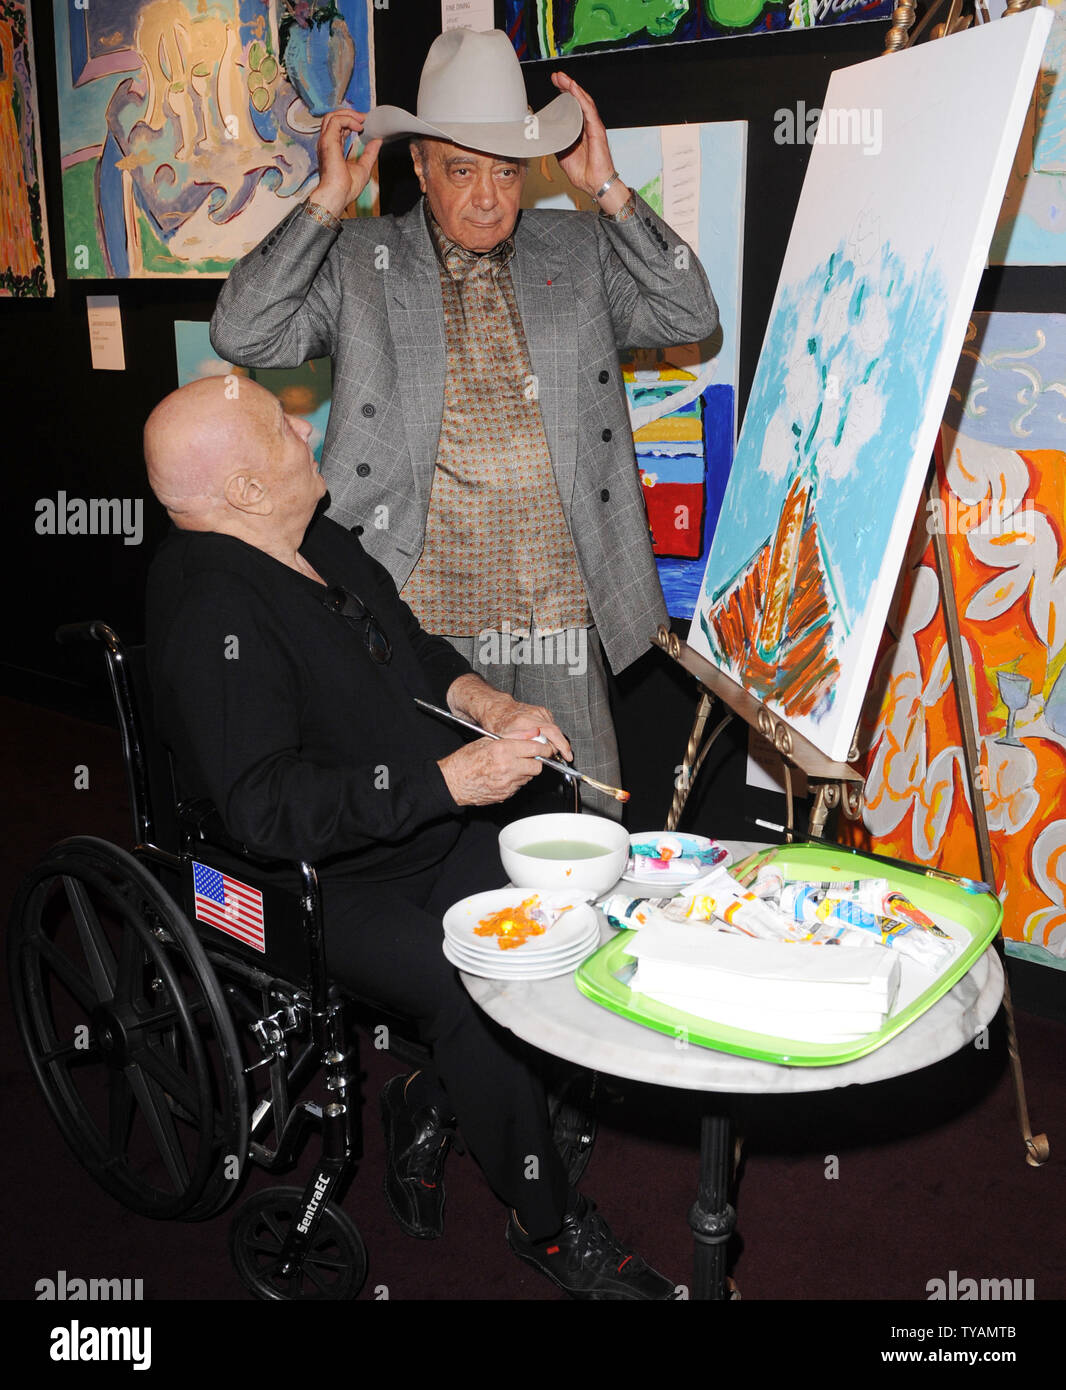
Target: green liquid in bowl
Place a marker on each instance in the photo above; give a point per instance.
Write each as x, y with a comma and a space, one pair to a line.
564, 849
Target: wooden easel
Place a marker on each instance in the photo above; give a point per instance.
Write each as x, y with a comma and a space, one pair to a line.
838, 785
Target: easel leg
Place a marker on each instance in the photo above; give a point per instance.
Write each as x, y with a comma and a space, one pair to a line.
1036, 1146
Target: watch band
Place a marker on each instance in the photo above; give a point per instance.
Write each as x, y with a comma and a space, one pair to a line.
322, 215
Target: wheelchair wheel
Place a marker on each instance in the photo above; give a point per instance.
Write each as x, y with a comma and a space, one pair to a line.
127, 1032
572, 1117
334, 1266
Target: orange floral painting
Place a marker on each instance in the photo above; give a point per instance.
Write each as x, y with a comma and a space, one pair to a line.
1002, 505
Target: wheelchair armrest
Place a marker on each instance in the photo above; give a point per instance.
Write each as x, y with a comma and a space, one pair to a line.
199, 819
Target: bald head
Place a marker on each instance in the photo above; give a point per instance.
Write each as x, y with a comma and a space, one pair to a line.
197, 436
223, 455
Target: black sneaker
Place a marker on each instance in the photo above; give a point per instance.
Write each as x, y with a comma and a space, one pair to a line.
416, 1145
586, 1260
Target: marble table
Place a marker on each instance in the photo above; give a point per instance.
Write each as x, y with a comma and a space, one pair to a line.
556, 1017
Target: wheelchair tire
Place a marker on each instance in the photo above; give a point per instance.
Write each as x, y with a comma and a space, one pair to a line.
333, 1268
571, 1114
128, 1032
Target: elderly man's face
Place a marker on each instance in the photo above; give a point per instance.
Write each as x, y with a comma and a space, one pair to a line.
295, 482
474, 197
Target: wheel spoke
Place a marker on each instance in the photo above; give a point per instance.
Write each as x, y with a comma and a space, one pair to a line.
170, 1078
119, 1114
129, 984
71, 1054
94, 942
68, 974
160, 1123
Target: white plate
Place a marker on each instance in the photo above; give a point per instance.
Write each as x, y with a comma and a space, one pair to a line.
462, 917
549, 970
671, 876
514, 956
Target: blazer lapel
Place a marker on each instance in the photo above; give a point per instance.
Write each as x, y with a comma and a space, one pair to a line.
545, 293
416, 321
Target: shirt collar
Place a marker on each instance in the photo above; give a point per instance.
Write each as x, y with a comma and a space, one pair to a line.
456, 259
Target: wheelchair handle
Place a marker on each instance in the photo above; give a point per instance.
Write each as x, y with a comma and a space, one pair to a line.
95, 630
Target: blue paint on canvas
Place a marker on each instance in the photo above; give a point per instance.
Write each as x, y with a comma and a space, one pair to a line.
839, 396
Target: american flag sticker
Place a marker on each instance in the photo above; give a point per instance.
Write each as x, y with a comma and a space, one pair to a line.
229, 905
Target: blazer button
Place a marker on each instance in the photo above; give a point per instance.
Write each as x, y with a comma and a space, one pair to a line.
363, 470
606, 436
368, 410
604, 377
605, 495
357, 530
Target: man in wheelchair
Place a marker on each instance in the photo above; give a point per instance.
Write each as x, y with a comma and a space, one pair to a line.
285, 667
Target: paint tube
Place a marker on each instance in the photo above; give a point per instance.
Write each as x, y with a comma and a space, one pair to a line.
630, 914
876, 896
805, 902
768, 883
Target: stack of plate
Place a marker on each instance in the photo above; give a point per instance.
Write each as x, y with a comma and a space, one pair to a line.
557, 951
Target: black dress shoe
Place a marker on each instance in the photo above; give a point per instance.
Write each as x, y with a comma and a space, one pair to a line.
416, 1144
587, 1262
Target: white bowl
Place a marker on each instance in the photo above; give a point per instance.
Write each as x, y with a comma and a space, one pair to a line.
591, 875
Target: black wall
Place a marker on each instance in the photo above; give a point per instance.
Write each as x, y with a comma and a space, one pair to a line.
74, 429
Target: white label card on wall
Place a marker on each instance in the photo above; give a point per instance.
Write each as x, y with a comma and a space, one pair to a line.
466, 14
105, 333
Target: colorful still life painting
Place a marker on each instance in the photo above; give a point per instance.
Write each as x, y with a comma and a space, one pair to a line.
875, 293
682, 400
305, 390
556, 28
1002, 505
25, 267
188, 129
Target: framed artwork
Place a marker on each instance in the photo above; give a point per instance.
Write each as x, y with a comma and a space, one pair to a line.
558, 28
187, 132
25, 265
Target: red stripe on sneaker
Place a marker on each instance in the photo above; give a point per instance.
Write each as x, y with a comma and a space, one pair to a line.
624, 1263
552, 1250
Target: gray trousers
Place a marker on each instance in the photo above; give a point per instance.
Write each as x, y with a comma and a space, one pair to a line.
563, 671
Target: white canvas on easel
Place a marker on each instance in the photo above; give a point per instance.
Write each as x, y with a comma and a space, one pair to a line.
883, 263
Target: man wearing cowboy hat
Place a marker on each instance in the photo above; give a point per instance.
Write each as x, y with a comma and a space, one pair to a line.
479, 439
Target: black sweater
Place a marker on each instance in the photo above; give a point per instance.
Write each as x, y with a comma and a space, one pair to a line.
274, 709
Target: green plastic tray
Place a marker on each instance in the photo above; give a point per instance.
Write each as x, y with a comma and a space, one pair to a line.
972, 918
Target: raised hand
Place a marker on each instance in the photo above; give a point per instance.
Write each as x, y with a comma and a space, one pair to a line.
587, 164
342, 180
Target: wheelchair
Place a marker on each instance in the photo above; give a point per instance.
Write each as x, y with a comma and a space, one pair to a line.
174, 1052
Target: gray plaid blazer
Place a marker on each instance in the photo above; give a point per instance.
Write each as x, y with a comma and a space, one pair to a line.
369, 296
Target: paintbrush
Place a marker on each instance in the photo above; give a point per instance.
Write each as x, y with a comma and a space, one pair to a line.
616, 792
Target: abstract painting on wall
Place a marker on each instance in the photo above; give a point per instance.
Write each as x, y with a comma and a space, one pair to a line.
25, 267
1002, 505
305, 390
878, 282
682, 401
187, 132
1032, 222
556, 28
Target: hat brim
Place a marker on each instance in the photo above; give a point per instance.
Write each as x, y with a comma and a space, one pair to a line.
557, 126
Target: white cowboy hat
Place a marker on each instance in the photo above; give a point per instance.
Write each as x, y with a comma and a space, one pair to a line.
472, 94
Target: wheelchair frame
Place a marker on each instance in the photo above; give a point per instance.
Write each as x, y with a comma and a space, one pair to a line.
154, 1010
